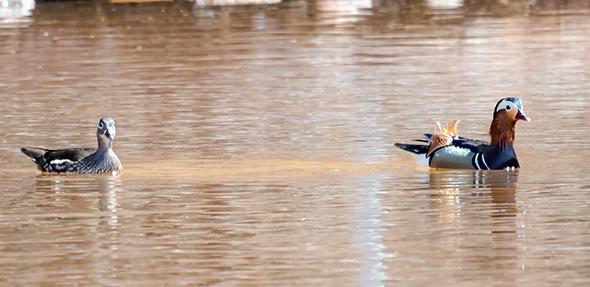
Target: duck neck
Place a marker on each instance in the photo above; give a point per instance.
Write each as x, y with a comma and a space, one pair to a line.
502, 133
104, 143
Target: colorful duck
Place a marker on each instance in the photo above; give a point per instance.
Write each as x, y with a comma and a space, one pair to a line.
445, 149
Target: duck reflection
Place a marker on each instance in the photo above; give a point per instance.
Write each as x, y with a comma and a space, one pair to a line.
458, 192
78, 214
85, 194
476, 213
108, 187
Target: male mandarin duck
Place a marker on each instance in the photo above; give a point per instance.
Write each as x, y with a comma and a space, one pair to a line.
102, 160
446, 149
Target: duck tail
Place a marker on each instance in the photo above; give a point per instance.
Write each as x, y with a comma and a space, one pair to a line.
35, 154
413, 148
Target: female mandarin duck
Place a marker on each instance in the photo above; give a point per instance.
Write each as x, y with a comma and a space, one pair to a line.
446, 149
102, 160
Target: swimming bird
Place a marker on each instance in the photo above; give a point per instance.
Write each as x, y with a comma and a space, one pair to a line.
101, 160
446, 149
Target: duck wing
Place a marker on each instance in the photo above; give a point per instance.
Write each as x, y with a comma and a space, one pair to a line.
445, 136
442, 137
73, 154
471, 144
44, 157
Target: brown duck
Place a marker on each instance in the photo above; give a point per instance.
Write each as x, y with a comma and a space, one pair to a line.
101, 160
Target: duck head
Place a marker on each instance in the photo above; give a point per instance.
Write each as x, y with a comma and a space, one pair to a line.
512, 109
507, 112
105, 133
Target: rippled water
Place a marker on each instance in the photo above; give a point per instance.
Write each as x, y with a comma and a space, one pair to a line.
258, 141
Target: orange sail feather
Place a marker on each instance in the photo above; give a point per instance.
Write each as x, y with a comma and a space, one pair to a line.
443, 136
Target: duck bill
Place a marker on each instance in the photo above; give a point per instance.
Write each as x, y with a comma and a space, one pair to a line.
522, 116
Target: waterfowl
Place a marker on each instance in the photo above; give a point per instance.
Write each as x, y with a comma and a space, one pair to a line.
445, 149
101, 160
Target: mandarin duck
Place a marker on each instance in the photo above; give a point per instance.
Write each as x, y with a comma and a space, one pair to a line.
445, 149
101, 160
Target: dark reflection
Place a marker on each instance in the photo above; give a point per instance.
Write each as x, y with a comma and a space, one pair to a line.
473, 179
461, 187
475, 7
405, 12
108, 188
480, 210
75, 215
82, 192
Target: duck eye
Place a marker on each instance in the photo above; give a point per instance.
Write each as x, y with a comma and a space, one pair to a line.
508, 108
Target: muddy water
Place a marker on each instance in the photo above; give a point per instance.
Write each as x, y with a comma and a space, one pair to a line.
258, 143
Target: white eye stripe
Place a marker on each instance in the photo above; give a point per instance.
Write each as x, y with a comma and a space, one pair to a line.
506, 105
100, 125
501, 106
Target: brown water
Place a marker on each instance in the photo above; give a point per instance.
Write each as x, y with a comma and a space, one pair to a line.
258, 143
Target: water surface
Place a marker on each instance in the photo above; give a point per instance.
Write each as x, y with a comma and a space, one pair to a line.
258, 143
